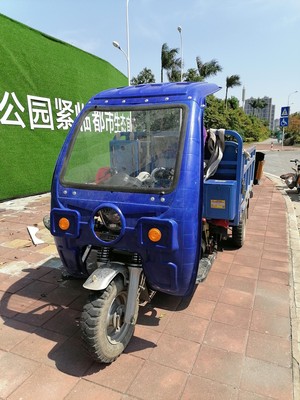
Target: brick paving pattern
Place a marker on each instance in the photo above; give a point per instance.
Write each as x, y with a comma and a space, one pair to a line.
230, 340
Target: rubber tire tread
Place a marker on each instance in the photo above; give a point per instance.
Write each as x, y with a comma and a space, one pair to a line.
93, 331
239, 232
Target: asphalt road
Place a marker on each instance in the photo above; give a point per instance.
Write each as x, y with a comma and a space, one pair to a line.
277, 162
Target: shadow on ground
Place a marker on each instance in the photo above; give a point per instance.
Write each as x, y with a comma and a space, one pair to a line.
47, 307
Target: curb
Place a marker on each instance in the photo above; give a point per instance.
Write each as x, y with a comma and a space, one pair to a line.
294, 255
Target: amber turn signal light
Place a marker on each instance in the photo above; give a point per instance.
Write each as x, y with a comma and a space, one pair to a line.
64, 224
154, 235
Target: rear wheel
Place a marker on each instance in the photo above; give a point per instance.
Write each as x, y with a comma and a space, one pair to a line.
239, 232
103, 329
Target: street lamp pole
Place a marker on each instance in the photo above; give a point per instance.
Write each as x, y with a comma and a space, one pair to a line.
181, 52
116, 44
128, 47
288, 102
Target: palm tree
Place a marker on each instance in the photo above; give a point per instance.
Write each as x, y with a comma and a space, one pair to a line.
208, 69
231, 81
192, 75
168, 59
261, 103
145, 76
253, 105
203, 71
257, 103
174, 74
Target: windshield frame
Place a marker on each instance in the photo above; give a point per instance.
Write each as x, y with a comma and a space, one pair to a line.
128, 108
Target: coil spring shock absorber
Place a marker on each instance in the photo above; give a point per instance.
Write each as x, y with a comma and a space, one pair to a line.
103, 254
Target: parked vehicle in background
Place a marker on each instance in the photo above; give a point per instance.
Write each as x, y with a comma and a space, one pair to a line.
292, 179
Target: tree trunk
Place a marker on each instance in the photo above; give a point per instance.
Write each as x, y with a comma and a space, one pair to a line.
226, 93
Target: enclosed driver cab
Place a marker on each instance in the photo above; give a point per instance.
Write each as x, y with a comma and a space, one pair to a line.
129, 183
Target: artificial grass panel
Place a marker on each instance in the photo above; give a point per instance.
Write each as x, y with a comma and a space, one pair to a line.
32, 63
27, 162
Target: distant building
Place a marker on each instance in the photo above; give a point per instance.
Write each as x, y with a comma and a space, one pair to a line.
267, 113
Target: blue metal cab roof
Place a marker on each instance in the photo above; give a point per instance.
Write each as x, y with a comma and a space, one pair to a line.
179, 90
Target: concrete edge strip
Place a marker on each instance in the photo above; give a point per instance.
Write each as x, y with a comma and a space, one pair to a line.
294, 244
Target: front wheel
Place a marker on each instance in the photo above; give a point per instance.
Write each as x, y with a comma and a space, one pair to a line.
103, 329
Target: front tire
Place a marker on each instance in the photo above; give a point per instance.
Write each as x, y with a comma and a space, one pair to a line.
103, 329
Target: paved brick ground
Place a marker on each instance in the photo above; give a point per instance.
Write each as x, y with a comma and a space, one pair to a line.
231, 340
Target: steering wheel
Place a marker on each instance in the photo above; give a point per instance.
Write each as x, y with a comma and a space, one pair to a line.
162, 174
158, 172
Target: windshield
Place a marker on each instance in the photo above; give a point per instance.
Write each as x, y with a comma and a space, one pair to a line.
125, 150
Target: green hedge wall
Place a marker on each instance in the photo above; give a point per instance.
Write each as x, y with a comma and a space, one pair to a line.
43, 84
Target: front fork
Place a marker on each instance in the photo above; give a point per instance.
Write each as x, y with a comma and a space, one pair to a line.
131, 274
133, 294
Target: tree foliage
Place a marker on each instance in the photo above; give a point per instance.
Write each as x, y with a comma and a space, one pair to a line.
145, 76
192, 75
293, 129
216, 116
257, 104
219, 113
174, 74
232, 102
203, 70
169, 61
231, 81
208, 69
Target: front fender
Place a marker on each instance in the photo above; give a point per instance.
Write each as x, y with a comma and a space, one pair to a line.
102, 276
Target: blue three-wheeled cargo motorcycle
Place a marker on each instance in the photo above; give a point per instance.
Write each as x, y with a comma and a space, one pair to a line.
142, 196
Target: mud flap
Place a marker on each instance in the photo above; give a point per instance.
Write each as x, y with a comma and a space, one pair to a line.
101, 277
204, 267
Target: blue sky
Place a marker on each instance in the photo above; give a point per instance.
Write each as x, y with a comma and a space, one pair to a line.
256, 39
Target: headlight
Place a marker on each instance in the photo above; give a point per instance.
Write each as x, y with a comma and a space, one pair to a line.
107, 224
